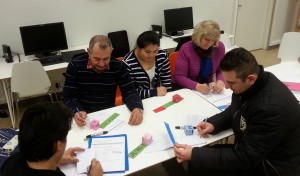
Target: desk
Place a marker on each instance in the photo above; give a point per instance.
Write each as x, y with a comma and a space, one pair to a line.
6, 71
287, 72
153, 124
168, 43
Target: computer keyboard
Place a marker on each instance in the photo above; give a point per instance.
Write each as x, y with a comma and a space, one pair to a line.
51, 60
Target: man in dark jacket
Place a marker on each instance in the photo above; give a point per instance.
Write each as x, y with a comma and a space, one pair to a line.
265, 118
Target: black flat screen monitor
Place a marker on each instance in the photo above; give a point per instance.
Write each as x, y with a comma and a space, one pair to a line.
43, 39
177, 20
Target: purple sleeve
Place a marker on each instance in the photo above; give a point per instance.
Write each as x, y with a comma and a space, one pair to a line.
182, 69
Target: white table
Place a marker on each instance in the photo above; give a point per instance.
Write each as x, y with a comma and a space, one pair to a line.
153, 124
287, 72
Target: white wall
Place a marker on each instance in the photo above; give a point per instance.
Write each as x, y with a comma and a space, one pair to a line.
85, 18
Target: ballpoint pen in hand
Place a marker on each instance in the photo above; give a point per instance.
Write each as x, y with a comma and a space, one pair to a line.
88, 169
79, 113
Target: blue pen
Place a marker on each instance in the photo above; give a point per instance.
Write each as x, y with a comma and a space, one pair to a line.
79, 113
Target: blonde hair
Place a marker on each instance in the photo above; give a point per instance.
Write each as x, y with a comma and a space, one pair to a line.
206, 28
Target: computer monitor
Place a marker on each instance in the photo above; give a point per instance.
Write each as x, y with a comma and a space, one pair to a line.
177, 20
43, 39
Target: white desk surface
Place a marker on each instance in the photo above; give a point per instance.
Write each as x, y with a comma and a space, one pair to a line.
169, 43
287, 72
153, 124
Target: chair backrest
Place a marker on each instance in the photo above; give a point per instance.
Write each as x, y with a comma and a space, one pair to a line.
182, 41
172, 59
29, 79
224, 38
118, 100
289, 49
119, 40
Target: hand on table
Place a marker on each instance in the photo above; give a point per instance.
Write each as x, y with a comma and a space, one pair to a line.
136, 117
218, 87
161, 91
183, 152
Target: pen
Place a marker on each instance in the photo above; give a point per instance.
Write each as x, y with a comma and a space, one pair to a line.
79, 113
89, 169
181, 127
97, 134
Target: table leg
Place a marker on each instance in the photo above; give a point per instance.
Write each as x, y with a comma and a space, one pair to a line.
9, 101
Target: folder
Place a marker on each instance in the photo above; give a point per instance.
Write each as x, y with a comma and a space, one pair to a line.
110, 149
293, 86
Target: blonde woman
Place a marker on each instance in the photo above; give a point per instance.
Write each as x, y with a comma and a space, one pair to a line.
198, 60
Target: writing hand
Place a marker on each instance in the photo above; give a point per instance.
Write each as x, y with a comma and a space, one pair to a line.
205, 128
203, 88
95, 169
80, 117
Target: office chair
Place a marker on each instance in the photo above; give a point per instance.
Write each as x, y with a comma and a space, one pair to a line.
224, 38
182, 41
118, 100
289, 48
29, 79
172, 59
120, 43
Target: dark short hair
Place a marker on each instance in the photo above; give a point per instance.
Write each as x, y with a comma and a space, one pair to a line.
42, 125
241, 61
146, 38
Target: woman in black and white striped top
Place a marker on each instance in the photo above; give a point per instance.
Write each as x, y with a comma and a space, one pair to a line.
149, 66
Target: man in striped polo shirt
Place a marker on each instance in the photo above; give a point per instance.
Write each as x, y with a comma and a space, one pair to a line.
92, 79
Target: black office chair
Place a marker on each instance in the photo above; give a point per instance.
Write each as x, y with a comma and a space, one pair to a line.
182, 41
120, 43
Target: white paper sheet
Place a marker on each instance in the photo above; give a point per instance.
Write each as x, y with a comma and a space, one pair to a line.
110, 152
85, 157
